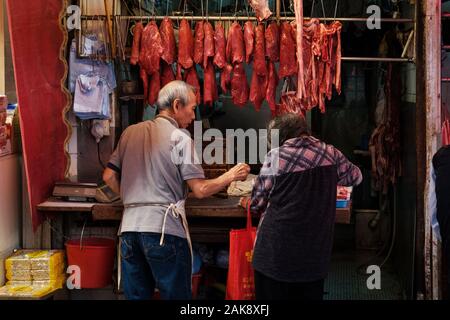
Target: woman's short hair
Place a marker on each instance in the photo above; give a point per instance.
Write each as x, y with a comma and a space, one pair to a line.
174, 90
289, 126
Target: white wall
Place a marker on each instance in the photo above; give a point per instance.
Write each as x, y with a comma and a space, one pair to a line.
9, 208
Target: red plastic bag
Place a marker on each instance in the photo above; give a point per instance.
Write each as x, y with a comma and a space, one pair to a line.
240, 282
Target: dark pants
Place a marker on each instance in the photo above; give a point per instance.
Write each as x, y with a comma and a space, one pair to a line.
146, 265
269, 289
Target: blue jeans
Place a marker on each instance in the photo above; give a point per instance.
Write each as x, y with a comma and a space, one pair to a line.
146, 265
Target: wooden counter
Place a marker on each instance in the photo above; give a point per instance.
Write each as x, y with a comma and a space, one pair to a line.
212, 207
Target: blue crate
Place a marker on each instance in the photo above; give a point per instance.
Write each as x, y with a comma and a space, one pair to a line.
340, 204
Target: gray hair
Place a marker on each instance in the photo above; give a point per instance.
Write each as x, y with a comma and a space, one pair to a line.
290, 126
173, 90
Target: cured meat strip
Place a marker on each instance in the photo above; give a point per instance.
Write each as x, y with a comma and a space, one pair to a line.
168, 41
220, 44
239, 85
225, 78
288, 59
257, 90
208, 43
272, 37
151, 48
155, 86
178, 75
235, 44
249, 39
136, 48
209, 85
166, 73
185, 45
259, 57
190, 77
298, 8
144, 77
261, 8
199, 42
271, 92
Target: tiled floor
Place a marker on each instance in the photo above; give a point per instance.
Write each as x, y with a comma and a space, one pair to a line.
346, 282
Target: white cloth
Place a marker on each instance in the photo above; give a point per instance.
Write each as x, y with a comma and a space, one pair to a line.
432, 205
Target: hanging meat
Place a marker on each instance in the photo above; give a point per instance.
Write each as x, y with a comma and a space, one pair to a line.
225, 78
384, 143
209, 85
261, 8
190, 77
288, 59
208, 43
239, 85
271, 91
249, 39
259, 56
272, 37
235, 44
178, 75
166, 73
144, 77
199, 39
337, 55
136, 48
257, 90
298, 8
151, 48
220, 44
168, 41
185, 45
155, 86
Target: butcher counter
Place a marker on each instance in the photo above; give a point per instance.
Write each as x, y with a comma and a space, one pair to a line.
210, 219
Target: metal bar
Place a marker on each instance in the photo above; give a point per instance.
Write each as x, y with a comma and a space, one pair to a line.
446, 80
446, 15
377, 59
245, 18
446, 47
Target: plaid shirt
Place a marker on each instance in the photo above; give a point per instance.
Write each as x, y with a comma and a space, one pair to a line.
295, 155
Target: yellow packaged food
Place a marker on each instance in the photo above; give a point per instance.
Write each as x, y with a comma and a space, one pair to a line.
48, 274
35, 259
21, 291
18, 275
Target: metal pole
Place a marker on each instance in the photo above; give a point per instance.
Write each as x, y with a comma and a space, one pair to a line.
446, 80
244, 18
376, 59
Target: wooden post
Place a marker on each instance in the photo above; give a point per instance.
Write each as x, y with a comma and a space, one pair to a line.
428, 123
2, 48
278, 9
110, 30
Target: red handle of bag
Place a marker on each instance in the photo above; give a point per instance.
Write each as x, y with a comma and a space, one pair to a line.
249, 217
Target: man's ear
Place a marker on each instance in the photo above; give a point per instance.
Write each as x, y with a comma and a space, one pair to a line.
176, 105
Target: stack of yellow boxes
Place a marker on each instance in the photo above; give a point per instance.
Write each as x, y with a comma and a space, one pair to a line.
34, 273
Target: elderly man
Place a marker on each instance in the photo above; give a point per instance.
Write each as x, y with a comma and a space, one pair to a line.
295, 194
153, 183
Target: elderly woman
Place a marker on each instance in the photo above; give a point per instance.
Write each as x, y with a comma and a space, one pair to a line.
295, 195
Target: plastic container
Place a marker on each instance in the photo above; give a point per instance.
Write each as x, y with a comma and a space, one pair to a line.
341, 204
95, 257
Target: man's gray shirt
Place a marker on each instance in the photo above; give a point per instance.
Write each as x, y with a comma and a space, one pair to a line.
148, 173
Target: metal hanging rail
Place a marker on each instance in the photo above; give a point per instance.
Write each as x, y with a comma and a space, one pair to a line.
246, 18
243, 18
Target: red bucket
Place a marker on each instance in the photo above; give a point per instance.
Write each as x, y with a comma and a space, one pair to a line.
95, 257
